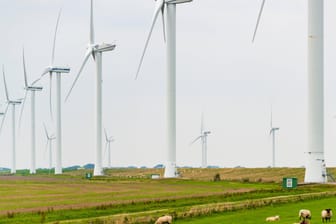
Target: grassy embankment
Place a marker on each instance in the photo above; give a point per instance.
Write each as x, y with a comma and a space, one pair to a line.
288, 213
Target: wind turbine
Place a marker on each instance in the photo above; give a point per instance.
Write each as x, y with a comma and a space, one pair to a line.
109, 140
52, 69
32, 89
203, 136
272, 132
50, 138
168, 10
95, 50
315, 152
13, 103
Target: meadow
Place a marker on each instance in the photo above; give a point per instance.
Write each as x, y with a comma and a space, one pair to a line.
131, 196
288, 213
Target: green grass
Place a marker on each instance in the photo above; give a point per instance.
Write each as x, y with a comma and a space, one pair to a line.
50, 192
46, 198
288, 213
190, 193
177, 203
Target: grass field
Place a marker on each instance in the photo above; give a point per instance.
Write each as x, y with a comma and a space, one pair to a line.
129, 195
288, 213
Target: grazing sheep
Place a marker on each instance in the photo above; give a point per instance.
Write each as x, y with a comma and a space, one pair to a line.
304, 214
326, 214
273, 218
164, 219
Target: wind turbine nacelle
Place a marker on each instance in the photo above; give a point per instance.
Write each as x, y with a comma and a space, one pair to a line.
207, 132
34, 88
60, 69
105, 47
177, 1
15, 102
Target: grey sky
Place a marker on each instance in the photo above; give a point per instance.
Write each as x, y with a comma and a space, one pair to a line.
219, 72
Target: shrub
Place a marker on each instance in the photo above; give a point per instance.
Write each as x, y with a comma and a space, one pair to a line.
43, 217
10, 215
217, 177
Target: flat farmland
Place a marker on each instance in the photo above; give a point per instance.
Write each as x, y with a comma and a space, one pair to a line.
35, 193
130, 196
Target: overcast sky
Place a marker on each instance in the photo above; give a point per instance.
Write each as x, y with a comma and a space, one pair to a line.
219, 72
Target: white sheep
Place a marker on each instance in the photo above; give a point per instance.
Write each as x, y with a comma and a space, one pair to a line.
273, 218
326, 214
304, 214
164, 219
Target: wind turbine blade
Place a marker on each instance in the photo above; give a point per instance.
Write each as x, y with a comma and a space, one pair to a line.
46, 71
54, 42
46, 147
87, 55
258, 20
91, 24
3, 118
5, 84
50, 95
106, 135
24, 69
202, 123
163, 22
158, 6
106, 144
22, 108
45, 130
195, 140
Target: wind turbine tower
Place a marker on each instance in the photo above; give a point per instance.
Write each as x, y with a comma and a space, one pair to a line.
95, 50
13, 103
272, 132
168, 10
109, 140
32, 89
315, 169
204, 140
52, 69
50, 138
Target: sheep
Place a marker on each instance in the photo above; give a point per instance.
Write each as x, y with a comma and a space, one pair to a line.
273, 218
326, 214
164, 219
304, 214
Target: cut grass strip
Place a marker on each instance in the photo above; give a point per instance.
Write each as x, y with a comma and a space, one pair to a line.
200, 210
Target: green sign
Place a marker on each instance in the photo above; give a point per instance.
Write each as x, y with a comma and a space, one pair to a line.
88, 175
289, 182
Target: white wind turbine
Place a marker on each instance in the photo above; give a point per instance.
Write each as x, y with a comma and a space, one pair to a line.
315, 152
109, 140
52, 69
50, 138
12, 103
168, 10
203, 136
32, 88
272, 132
95, 50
